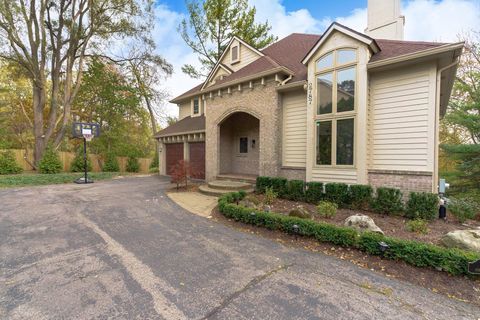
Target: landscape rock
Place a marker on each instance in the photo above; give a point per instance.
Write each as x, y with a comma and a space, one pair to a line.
362, 223
463, 239
247, 204
300, 212
267, 208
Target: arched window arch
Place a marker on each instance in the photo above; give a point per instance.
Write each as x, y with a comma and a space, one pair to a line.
336, 81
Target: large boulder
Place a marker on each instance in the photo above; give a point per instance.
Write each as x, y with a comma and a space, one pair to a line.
362, 223
247, 203
300, 212
463, 239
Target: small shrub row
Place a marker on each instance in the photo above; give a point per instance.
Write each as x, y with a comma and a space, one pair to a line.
420, 205
419, 254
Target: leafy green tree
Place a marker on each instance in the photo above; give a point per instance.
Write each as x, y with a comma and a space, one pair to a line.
78, 163
52, 40
108, 98
463, 115
50, 162
212, 23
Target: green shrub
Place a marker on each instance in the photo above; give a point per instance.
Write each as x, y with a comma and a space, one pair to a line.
262, 183
327, 209
8, 164
111, 163
314, 192
295, 190
360, 196
270, 195
279, 185
419, 254
418, 226
78, 164
462, 209
50, 162
422, 205
338, 193
133, 165
387, 201
155, 162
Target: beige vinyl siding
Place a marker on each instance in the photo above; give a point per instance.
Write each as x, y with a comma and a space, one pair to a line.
247, 56
184, 110
401, 119
294, 129
348, 176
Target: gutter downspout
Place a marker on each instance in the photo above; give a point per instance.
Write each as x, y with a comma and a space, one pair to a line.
437, 121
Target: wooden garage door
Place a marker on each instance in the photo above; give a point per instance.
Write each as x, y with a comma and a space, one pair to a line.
174, 154
197, 159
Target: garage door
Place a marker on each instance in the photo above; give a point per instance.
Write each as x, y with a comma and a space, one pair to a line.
174, 154
197, 159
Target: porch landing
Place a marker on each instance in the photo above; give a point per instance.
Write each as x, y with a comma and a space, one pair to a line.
228, 183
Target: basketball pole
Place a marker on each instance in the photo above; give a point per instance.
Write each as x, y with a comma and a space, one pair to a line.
85, 157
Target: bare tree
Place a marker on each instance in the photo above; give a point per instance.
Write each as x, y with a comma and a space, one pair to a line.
51, 41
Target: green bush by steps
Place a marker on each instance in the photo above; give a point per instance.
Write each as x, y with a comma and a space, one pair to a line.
419, 254
50, 162
295, 190
8, 164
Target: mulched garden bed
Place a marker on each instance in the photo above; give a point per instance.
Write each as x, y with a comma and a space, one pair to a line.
392, 226
461, 288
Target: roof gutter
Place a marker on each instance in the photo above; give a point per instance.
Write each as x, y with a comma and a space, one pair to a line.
437, 118
415, 55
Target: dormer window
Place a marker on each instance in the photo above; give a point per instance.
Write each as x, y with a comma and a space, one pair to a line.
235, 54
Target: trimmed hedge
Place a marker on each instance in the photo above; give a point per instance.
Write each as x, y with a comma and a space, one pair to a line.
8, 163
422, 205
314, 192
361, 196
295, 190
419, 254
387, 201
337, 193
262, 184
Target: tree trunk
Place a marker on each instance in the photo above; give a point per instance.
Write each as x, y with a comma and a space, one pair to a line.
38, 125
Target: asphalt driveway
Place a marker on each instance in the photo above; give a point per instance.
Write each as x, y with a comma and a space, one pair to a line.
122, 249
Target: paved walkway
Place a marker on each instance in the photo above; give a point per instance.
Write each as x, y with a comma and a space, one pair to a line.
194, 202
122, 249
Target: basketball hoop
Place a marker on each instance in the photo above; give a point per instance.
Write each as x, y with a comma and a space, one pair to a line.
88, 137
86, 131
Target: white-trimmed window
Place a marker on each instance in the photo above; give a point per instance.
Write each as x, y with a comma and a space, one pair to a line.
234, 53
336, 74
196, 106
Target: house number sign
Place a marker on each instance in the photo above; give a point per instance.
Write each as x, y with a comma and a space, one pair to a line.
310, 97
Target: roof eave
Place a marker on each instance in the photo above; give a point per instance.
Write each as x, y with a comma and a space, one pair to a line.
236, 81
416, 55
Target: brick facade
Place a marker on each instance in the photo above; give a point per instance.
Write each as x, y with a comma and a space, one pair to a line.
406, 181
263, 103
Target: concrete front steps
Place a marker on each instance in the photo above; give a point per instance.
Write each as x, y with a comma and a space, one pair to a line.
221, 186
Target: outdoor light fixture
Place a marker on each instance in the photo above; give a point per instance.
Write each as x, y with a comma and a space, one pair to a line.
383, 247
252, 214
296, 229
253, 143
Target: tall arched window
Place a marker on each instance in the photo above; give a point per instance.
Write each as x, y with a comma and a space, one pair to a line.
336, 74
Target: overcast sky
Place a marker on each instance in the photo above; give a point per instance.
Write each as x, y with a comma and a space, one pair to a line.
426, 20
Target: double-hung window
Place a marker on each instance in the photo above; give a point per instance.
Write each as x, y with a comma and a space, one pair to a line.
336, 78
196, 105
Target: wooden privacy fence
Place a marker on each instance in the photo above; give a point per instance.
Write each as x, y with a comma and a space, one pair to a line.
67, 157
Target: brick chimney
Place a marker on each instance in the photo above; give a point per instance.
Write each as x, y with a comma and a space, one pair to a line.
385, 20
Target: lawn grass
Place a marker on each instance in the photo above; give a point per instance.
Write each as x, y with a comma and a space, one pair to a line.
37, 179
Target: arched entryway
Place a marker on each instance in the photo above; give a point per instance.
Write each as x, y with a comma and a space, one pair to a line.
239, 144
